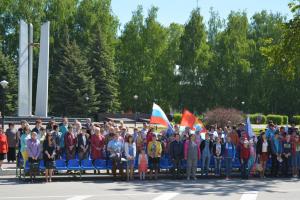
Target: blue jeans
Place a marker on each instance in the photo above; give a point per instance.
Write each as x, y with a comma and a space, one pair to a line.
218, 162
205, 164
228, 166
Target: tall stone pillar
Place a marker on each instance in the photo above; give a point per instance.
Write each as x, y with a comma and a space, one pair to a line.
41, 108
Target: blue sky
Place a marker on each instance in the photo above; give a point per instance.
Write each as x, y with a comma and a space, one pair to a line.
179, 10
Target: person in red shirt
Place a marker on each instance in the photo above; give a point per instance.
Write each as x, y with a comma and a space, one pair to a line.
3, 147
244, 155
70, 143
97, 145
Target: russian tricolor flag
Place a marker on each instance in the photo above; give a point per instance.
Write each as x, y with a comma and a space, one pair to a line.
159, 117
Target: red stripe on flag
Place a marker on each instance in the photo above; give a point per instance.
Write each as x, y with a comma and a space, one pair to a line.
158, 120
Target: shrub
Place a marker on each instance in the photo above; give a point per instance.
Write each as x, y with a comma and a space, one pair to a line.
277, 119
285, 119
296, 119
177, 118
201, 117
258, 118
221, 116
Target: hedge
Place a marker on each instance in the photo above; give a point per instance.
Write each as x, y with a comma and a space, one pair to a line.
254, 117
177, 118
277, 119
285, 119
296, 119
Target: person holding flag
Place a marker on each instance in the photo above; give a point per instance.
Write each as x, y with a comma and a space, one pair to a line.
159, 117
154, 148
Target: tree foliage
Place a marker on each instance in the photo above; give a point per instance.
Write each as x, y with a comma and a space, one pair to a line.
196, 66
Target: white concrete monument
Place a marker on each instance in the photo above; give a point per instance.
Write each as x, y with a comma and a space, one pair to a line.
41, 107
23, 93
26, 71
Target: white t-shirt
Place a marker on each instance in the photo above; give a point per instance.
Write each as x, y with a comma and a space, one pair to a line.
218, 149
265, 147
84, 140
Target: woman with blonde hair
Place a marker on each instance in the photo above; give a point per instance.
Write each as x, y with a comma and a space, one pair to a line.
23, 140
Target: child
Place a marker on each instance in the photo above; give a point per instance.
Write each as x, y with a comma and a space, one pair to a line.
143, 164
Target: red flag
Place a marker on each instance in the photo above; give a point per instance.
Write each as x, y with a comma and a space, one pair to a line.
188, 119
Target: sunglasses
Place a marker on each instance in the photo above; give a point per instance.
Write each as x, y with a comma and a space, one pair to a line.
50, 135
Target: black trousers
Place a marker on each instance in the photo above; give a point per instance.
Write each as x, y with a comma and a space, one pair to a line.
285, 166
117, 164
275, 166
176, 166
11, 155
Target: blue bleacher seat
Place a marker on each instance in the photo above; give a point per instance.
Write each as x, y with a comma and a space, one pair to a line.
61, 165
236, 163
183, 164
74, 165
199, 164
165, 163
109, 164
27, 166
100, 164
87, 165
42, 165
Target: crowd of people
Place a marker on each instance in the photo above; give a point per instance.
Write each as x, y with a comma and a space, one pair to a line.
144, 148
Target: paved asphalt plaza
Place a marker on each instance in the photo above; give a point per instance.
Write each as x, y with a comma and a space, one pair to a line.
208, 189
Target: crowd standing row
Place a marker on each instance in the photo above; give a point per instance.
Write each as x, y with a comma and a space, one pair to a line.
117, 143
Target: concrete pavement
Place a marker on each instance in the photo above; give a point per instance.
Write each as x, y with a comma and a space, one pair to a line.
208, 189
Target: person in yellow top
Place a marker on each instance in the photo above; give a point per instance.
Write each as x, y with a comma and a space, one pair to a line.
154, 152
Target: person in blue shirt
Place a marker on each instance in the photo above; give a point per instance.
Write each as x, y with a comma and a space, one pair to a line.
276, 149
115, 147
270, 132
229, 156
63, 129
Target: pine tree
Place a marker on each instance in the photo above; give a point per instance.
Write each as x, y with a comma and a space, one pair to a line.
75, 93
8, 72
102, 63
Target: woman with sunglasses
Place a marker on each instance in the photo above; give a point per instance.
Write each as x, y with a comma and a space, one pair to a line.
49, 147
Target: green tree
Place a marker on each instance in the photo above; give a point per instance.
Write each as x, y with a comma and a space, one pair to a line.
129, 58
193, 63
168, 74
265, 29
283, 61
233, 67
8, 72
104, 73
61, 15
74, 83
